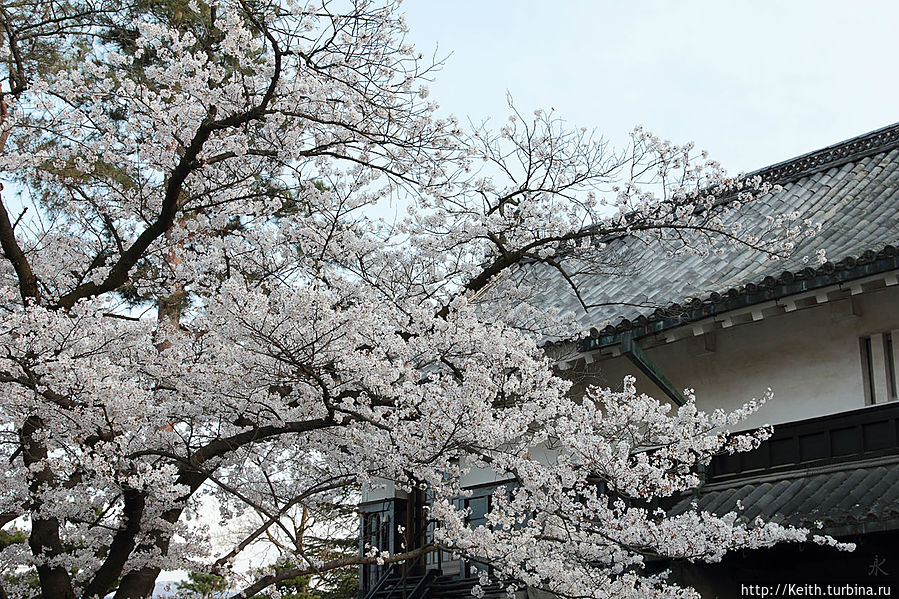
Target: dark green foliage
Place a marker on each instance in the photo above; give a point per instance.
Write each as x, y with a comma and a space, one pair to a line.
204, 585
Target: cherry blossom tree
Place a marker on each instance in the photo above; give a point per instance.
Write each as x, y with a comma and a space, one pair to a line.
202, 311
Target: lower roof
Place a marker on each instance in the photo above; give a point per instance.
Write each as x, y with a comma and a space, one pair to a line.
850, 499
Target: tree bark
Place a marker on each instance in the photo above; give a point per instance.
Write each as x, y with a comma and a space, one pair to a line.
44, 539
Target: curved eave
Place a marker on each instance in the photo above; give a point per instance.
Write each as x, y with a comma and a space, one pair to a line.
769, 289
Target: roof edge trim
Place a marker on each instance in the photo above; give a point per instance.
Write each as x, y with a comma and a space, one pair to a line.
875, 142
749, 295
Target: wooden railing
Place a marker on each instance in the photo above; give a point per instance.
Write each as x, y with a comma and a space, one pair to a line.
844, 437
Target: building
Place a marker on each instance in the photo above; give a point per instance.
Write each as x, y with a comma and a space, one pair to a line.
732, 325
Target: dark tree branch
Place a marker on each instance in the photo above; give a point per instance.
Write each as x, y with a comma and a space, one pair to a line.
44, 538
120, 548
28, 287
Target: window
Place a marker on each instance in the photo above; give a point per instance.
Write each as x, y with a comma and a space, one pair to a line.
878, 368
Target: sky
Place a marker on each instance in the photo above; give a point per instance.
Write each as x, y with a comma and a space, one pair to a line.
754, 83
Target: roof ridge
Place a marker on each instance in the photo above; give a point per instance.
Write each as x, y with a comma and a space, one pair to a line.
874, 142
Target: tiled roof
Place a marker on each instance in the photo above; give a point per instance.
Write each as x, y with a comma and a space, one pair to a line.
851, 188
844, 501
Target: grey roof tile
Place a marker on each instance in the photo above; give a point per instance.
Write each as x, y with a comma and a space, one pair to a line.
854, 496
851, 188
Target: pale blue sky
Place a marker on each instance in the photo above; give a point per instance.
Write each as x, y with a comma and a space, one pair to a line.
752, 82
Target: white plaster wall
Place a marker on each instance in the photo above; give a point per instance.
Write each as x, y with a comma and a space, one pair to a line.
477, 477
382, 489
810, 358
